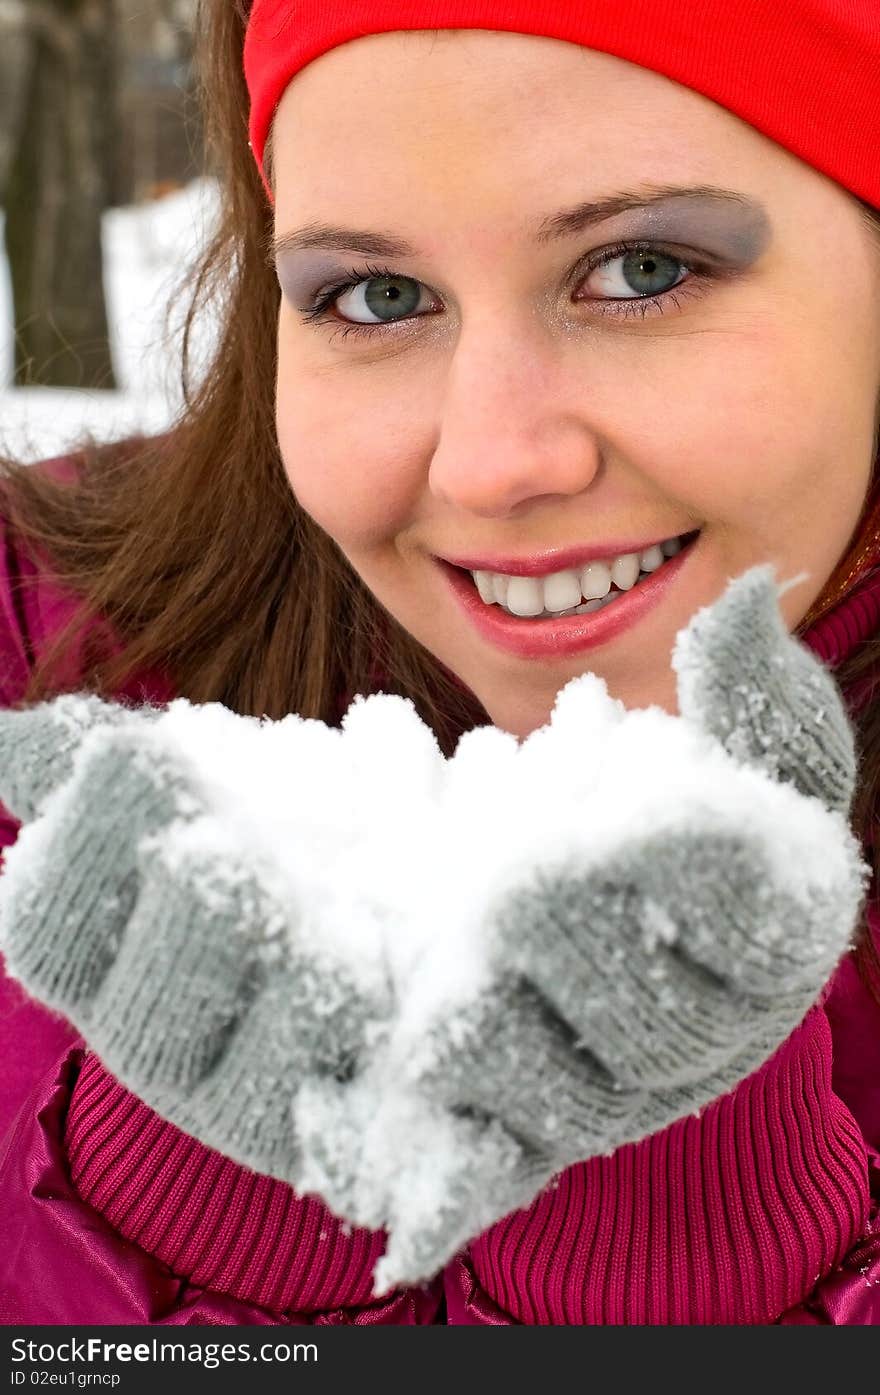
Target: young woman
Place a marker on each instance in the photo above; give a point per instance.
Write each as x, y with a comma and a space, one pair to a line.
521, 296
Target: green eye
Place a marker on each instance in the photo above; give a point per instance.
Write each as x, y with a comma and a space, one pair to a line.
647, 267
390, 296
643, 271
382, 297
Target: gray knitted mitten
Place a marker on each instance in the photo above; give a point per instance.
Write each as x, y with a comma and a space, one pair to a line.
175, 951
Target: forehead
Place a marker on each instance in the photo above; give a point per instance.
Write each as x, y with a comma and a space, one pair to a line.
456, 100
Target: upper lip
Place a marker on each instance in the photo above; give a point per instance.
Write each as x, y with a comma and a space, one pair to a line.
551, 560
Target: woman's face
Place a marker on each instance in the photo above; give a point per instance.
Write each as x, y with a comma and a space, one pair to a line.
515, 389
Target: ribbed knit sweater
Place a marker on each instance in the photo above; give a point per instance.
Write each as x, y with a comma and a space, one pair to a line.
758, 1210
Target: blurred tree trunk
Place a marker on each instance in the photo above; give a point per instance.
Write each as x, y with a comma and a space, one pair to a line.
59, 178
14, 67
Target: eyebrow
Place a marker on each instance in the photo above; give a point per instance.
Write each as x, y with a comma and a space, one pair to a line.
566, 223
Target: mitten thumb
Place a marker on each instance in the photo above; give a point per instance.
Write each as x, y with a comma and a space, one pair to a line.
38, 745
744, 679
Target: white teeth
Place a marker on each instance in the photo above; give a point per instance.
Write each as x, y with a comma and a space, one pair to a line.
500, 584
562, 590
485, 586
625, 571
525, 596
560, 593
600, 604
595, 581
651, 558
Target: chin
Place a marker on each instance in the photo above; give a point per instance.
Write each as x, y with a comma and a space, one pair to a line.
519, 720
522, 717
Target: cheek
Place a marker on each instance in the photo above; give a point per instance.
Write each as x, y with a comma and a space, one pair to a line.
788, 427
348, 466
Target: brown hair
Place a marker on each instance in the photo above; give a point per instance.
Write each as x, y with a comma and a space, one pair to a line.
201, 559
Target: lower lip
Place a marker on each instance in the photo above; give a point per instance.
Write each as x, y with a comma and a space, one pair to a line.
553, 639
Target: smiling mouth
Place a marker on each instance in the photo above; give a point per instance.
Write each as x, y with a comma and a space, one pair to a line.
600, 583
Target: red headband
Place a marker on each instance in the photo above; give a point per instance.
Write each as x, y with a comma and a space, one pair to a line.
804, 72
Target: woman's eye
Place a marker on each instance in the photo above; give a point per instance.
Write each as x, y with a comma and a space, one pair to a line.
381, 300
634, 273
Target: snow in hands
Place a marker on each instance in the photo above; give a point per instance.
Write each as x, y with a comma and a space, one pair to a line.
563, 943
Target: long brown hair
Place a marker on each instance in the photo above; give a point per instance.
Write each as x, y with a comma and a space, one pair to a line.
192, 545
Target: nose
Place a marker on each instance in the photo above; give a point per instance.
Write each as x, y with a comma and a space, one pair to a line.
515, 428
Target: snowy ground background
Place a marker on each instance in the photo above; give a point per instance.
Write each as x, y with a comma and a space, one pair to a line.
146, 249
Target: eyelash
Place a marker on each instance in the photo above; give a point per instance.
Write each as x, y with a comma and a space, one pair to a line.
635, 305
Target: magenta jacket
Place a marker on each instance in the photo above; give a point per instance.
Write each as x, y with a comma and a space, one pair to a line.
764, 1208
